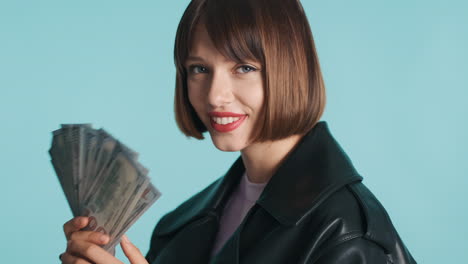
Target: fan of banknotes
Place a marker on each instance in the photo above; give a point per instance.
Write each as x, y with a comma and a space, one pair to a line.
101, 179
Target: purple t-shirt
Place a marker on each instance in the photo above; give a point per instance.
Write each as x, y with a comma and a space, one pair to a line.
242, 199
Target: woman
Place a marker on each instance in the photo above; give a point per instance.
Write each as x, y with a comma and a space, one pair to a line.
248, 74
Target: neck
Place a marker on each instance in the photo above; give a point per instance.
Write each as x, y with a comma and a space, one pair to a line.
261, 160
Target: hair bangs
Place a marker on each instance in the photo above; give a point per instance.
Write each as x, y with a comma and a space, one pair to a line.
233, 30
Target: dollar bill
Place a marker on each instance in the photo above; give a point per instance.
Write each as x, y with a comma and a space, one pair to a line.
101, 178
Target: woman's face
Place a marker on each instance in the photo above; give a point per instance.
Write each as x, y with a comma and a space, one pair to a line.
227, 96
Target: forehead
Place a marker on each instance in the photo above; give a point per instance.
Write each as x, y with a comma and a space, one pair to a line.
223, 43
202, 46
200, 37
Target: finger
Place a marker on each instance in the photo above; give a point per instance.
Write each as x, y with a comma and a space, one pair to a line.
69, 259
74, 224
131, 251
90, 236
91, 252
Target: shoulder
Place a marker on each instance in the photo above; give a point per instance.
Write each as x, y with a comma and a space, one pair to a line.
195, 206
355, 226
188, 211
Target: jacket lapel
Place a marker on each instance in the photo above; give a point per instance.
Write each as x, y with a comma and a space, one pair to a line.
187, 234
206, 202
315, 169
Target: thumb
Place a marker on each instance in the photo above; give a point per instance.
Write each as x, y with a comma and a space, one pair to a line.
131, 251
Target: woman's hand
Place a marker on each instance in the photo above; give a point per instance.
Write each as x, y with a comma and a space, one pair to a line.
84, 246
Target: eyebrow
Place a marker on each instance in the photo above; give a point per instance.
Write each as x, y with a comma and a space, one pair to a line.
197, 58
194, 58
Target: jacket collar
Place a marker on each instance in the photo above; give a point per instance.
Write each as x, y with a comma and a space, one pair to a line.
315, 169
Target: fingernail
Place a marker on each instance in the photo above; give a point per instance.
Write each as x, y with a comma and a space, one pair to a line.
125, 239
104, 238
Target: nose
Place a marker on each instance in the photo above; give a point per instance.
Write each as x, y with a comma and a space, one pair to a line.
220, 90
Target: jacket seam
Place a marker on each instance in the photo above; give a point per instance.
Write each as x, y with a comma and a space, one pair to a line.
340, 240
366, 209
329, 191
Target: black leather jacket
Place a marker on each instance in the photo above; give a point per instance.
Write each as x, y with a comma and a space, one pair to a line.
314, 209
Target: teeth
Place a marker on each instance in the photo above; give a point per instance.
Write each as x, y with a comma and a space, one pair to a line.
225, 120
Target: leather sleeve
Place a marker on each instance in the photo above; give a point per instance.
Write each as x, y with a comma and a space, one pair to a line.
354, 251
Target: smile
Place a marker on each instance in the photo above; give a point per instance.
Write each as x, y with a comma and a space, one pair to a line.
225, 124
224, 120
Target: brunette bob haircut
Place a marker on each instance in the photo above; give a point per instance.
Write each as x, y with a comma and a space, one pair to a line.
275, 33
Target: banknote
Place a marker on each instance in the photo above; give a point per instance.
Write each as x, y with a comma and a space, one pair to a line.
101, 178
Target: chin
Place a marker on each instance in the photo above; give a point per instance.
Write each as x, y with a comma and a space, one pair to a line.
224, 145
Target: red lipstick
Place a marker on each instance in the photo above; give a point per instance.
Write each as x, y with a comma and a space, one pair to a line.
225, 114
227, 127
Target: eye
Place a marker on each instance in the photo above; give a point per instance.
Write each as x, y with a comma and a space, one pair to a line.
197, 69
245, 69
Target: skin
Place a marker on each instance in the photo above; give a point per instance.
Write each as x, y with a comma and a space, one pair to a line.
83, 247
215, 84
221, 85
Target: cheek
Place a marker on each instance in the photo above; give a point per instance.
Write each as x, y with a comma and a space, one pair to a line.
258, 98
195, 97
254, 96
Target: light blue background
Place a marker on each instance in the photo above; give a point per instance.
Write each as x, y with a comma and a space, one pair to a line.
396, 76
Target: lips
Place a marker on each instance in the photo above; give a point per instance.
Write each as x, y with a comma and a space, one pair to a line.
226, 121
225, 114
